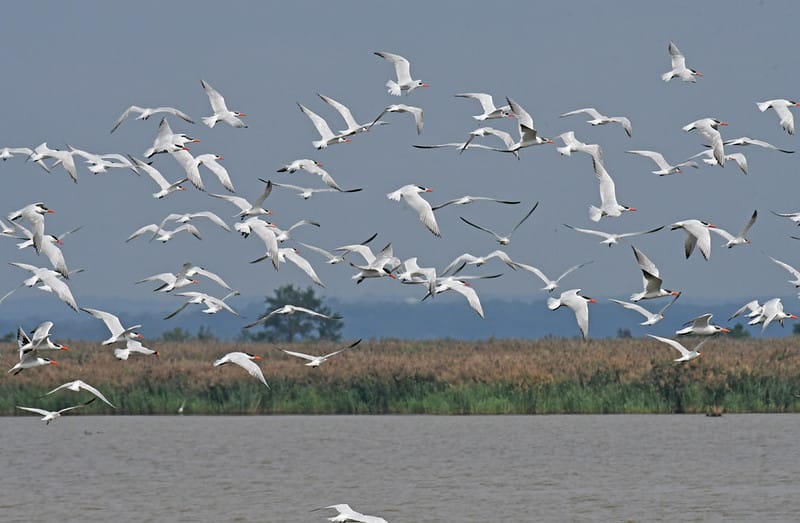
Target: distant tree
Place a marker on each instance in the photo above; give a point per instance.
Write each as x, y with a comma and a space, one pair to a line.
796, 329
624, 333
10, 336
738, 331
298, 326
205, 334
176, 334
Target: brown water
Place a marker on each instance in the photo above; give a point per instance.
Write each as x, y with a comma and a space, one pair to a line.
402, 468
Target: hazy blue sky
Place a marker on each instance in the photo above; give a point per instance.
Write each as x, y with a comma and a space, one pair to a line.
71, 68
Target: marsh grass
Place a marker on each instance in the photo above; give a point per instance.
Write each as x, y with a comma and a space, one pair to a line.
425, 377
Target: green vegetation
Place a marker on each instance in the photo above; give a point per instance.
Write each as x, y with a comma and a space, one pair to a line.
549, 376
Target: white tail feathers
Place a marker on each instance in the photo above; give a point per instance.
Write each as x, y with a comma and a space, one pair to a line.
595, 213
763, 106
210, 120
394, 88
396, 195
553, 303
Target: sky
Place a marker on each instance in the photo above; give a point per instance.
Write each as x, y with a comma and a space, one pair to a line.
71, 69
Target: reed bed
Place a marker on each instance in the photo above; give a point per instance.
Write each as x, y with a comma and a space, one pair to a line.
427, 377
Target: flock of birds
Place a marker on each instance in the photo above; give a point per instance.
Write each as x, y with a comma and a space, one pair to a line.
27, 224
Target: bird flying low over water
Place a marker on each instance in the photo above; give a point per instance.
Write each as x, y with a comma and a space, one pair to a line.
79, 385
316, 361
345, 513
246, 361
52, 415
402, 69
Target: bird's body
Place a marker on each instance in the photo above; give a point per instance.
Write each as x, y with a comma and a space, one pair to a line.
679, 69
650, 317
600, 119
327, 137
403, 108
165, 188
709, 130
133, 347
402, 68
164, 235
701, 326
490, 111
353, 127
79, 385
612, 238
316, 361
578, 304
697, 234
221, 111
686, 354
739, 239
246, 361
528, 135
147, 112
781, 107
664, 167
114, 326
651, 279
502, 239
608, 196
248, 209
191, 166
549, 285
52, 415
411, 195
290, 309
212, 304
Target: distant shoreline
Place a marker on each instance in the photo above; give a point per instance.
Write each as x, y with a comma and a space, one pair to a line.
440, 377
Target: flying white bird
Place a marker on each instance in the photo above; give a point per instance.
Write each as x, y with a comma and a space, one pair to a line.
468, 259
292, 255
686, 354
794, 272
41, 152
34, 214
246, 361
487, 104
327, 137
572, 145
287, 310
651, 279
739, 239
411, 194
505, 137
461, 286
701, 326
549, 285
608, 196
528, 136
247, 208
265, 232
333, 259
697, 234
188, 217
502, 239
709, 130
307, 192
612, 238
166, 188
650, 318
164, 235
184, 277
679, 69
52, 415
348, 514
49, 281
781, 107
114, 326
664, 167
601, 119
403, 108
402, 69
772, 310
464, 200
191, 165
49, 247
147, 112
746, 140
353, 127
410, 272
753, 307
29, 361
304, 163
166, 141
38, 340
9, 152
79, 385
212, 304
133, 347
708, 158
579, 305
221, 111
316, 361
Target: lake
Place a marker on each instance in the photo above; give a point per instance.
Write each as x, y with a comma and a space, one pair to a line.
403, 468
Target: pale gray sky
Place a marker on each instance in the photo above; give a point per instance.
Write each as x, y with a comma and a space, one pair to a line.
71, 69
